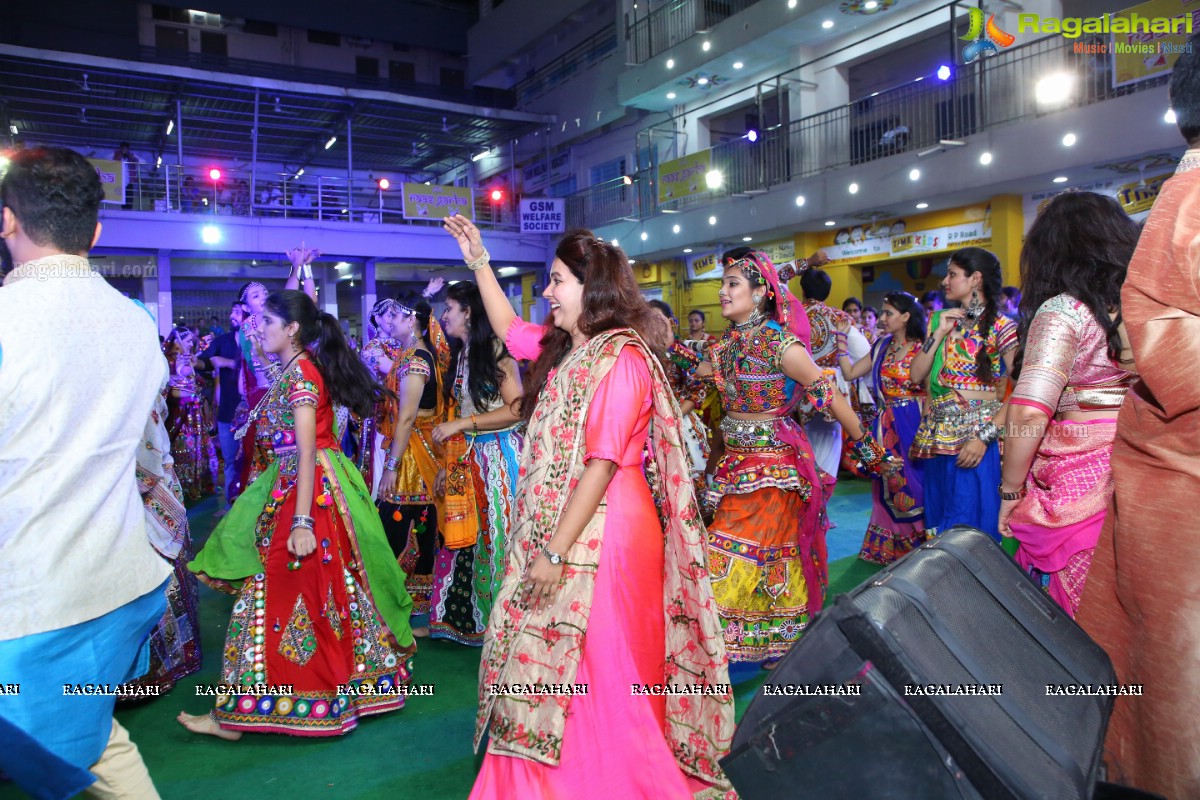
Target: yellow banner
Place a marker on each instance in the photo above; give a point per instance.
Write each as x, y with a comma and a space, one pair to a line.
683, 177
885, 239
1145, 53
437, 202
112, 178
704, 267
1135, 198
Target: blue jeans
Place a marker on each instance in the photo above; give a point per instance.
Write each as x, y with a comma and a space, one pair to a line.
229, 448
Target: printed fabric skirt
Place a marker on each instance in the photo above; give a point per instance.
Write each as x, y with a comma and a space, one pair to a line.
766, 544
192, 448
467, 581
897, 525
957, 495
410, 516
175, 641
255, 450
1059, 521
314, 643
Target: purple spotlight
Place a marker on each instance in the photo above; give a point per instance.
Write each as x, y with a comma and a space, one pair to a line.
752, 135
943, 72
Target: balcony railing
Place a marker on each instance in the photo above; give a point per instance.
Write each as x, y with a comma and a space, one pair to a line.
185, 190
562, 69
995, 91
675, 22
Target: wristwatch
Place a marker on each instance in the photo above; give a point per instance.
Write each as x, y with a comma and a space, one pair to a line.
553, 557
1017, 495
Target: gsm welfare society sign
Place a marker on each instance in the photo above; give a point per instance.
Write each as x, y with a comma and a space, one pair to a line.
543, 215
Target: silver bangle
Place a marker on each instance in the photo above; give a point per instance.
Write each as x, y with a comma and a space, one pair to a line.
302, 521
987, 432
477, 264
391, 463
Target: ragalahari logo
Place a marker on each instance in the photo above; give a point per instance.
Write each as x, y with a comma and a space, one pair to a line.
984, 38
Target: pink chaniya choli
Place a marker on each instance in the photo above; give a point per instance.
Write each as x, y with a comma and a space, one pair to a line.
613, 744
1067, 368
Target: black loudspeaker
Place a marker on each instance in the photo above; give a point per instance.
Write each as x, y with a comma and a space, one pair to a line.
947, 675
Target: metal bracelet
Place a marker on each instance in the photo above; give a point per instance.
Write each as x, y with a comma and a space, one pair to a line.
477, 264
303, 521
929, 343
987, 432
1017, 495
391, 463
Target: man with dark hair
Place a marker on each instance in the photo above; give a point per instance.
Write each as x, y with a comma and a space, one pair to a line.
824, 433
933, 301
224, 356
81, 587
1140, 601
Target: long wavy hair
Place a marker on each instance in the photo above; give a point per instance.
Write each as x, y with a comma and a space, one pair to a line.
611, 300
1081, 244
972, 260
347, 379
484, 375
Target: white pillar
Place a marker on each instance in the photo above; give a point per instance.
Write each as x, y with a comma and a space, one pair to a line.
368, 295
164, 311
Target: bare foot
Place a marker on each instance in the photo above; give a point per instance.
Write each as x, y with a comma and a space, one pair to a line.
422, 632
206, 725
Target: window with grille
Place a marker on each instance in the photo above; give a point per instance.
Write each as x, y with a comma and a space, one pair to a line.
608, 171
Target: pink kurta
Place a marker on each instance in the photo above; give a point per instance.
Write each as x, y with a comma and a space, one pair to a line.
609, 729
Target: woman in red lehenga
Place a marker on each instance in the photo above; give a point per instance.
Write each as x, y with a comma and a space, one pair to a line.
192, 448
319, 635
601, 590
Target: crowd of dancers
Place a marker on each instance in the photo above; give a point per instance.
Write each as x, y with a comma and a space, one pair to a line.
598, 500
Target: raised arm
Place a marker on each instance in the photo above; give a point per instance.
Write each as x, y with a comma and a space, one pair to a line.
851, 369
922, 363
301, 258
470, 241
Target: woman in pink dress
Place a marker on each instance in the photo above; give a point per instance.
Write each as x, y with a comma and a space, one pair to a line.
1073, 376
604, 673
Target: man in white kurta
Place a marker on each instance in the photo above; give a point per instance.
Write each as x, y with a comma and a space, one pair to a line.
81, 588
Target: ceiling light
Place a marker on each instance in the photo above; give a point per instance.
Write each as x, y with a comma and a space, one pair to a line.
674, 229
943, 72
799, 199
301, 172
914, 174
481, 156
752, 135
791, 3
1068, 140
615, 243
670, 63
1054, 88
705, 47
827, 24
712, 220
922, 205
1169, 117
627, 180
633, 261
853, 188
670, 95
713, 179
504, 272
747, 239
645, 236
985, 158
829, 223
738, 65
687, 249
870, 5
332, 141
702, 81
170, 126
210, 234
1061, 179
341, 265
158, 162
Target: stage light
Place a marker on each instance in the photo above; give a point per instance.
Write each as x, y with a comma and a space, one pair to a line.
214, 174
210, 234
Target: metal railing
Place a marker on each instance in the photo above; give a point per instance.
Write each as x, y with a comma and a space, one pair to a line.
475, 95
675, 22
995, 91
188, 190
562, 69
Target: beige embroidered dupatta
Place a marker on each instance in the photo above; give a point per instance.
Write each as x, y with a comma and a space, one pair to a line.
545, 645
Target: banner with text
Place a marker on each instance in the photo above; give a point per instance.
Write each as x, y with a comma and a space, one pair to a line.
437, 202
543, 215
1142, 53
683, 177
112, 179
539, 175
704, 267
1135, 197
934, 233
